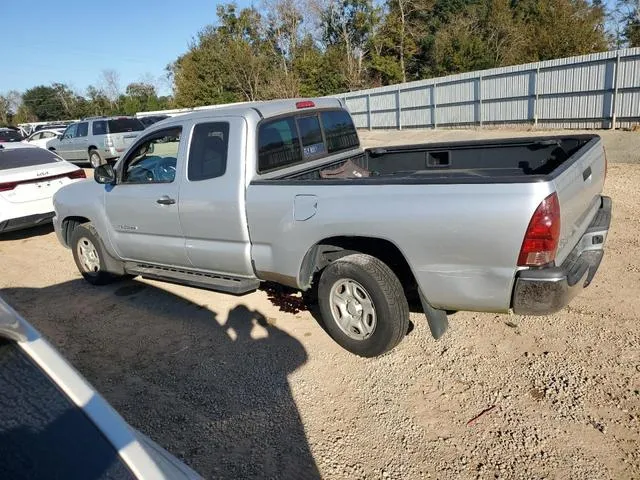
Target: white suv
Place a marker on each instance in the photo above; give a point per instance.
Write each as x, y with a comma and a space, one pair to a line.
97, 140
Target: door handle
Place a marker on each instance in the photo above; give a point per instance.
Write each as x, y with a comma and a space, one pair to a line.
165, 200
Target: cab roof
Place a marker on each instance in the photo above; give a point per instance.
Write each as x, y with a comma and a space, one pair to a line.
265, 109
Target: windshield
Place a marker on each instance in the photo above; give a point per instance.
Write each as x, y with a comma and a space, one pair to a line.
121, 125
10, 136
25, 157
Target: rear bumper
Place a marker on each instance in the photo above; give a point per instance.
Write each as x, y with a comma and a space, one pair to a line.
25, 222
547, 290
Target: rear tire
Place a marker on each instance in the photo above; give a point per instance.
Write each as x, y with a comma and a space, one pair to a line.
363, 305
89, 255
95, 159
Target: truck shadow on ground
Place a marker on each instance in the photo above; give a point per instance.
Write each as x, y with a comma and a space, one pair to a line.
214, 394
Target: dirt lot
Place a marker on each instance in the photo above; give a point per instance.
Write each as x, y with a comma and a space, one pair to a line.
239, 389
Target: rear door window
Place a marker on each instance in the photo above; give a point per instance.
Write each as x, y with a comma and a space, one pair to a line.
99, 127
208, 152
123, 125
278, 144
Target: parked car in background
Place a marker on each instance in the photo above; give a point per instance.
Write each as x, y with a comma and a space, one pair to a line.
42, 138
97, 140
28, 128
9, 135
52, 126
54, 424
151, 119
283, 192
29, 176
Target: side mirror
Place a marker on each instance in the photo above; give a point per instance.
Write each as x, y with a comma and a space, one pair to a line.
105, 174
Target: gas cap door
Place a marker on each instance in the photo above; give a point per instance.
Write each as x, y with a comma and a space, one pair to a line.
304, 207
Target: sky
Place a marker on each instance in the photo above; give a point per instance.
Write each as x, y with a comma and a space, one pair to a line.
73, 41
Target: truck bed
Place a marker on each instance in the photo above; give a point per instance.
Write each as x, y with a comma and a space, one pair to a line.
501, 161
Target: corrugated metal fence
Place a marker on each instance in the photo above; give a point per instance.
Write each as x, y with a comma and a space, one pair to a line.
600, 90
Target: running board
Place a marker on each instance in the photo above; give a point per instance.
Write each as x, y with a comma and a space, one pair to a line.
209, 281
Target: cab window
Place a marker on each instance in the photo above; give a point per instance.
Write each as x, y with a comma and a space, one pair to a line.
208, 152
153, 159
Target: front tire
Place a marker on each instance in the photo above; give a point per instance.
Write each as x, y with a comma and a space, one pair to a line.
363, 305
89, 255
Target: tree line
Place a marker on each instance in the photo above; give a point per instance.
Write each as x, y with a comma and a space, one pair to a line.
293, 48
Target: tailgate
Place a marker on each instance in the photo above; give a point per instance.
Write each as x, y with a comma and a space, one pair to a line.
579, 188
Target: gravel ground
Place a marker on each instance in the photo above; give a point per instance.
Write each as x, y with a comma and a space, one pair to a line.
239, 389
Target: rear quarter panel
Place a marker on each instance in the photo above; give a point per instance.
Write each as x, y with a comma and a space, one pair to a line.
461, 241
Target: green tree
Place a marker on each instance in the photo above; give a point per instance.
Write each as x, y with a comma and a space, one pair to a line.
5, 112
230, 62
45, 103
98, 102
626, 16
350, 28
560, 28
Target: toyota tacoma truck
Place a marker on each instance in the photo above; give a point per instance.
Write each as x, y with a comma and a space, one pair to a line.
282, 191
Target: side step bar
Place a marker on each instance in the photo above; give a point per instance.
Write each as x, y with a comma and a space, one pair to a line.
209, 281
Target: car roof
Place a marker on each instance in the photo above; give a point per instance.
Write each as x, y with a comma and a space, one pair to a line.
110, 117
16, 145
49, 130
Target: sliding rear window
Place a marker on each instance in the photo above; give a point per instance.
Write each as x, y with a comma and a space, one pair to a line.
296, 139
339, 130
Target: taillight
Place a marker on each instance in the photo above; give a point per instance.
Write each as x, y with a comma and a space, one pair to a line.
5, 187
77, 174
606, 163
541, 239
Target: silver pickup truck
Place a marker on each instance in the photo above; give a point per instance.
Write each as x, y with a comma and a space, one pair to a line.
282, 191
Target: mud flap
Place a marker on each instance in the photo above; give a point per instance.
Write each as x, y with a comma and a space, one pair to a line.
437, 319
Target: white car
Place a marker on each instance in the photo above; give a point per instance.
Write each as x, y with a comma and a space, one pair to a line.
42, 137
29, 176
54, 424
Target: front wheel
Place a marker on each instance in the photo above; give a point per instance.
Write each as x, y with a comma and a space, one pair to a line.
89, 255
363, 305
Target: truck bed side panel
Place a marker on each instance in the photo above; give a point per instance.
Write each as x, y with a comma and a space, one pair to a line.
462, 241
